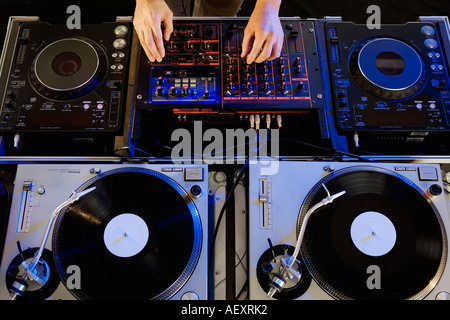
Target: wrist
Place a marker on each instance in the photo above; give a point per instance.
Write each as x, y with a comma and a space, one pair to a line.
275, 3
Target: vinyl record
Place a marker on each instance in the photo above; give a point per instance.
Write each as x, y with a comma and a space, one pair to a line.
69, 68
383, 239
136, 236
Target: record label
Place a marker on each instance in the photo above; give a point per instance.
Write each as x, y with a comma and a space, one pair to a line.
126, 235
373, 233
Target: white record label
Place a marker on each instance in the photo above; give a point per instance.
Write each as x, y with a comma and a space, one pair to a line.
126, 235
373, 233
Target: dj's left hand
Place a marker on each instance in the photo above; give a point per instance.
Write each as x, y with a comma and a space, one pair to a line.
265, 30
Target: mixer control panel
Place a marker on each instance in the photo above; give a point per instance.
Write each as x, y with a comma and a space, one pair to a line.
203, 68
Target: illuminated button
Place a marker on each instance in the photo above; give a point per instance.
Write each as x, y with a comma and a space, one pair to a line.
119, 43
431, 43
86, 106
427, 30
100, 106
121, 30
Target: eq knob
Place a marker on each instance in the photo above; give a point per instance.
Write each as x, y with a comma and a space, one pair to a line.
205, 46
159, 92
172, 92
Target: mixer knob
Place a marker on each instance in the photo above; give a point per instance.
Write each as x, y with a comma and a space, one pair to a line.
189, 46
172, 46
205, 46
185, 91
159, 92
206, 94
172, 92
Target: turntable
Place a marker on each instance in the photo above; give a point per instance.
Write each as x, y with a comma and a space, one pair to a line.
134, 232
359, 231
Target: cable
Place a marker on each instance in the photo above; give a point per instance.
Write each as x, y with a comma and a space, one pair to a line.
227, 199
128, 148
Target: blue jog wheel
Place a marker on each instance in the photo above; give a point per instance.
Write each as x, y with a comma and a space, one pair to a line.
388, 68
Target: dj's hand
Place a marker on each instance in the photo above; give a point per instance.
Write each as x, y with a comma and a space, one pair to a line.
148, 16
264, 28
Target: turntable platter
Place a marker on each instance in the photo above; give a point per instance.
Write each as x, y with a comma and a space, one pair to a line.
382, 221
137, 236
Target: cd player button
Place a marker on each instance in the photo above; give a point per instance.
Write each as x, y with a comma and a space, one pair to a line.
428, 174
431, 43
427, 30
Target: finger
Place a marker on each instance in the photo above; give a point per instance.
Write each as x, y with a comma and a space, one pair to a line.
168, 27
159, 43
144, 46
265, 52
156, 44
150, 43
149, 54
276, 49
257, 44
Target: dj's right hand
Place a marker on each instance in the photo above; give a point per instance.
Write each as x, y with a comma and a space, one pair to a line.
148, 15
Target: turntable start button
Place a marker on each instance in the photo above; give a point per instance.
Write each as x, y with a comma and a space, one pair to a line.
193, 174
428, 174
